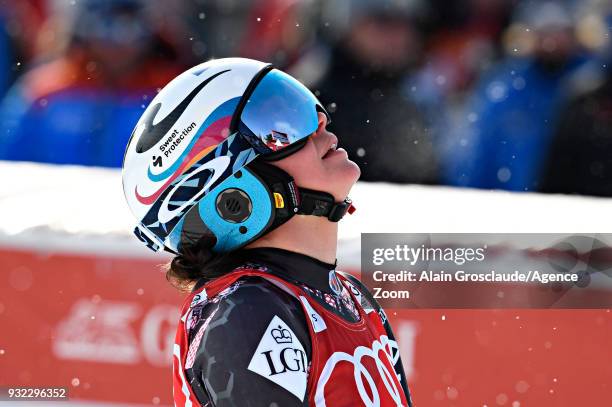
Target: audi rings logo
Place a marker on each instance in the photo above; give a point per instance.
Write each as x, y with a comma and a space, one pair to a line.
384, 346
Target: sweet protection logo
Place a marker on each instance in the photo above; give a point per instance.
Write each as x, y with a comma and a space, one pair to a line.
212, 132
153, 133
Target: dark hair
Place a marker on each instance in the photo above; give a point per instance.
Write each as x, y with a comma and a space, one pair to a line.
199, 262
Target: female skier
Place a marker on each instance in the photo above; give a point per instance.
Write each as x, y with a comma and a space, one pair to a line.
231, 169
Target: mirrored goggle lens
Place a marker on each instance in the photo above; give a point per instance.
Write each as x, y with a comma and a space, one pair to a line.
280, 112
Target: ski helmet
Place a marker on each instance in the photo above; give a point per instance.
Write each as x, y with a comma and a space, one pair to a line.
185, 173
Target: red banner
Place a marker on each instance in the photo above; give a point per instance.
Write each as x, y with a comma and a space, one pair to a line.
104, 327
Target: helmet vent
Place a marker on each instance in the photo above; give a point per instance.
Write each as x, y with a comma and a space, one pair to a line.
234, 205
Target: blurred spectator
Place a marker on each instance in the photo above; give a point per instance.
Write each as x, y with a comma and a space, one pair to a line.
506, 129
80, 107
376, 47
16, 41
580, 160
394, 74
465, 40
7, 56
267, 30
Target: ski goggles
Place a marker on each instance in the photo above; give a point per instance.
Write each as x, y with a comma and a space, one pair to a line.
277, 114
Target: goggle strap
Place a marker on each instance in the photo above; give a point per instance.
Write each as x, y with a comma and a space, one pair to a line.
148, 238
246, 95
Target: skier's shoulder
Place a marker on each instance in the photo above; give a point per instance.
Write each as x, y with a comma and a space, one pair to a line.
252, 292
245, 329
245, 308
248, 275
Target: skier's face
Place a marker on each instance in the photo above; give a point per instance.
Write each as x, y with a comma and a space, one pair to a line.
318, 166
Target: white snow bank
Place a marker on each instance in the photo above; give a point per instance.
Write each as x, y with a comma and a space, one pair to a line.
82, 209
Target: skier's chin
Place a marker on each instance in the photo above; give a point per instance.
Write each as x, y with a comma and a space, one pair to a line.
342, 176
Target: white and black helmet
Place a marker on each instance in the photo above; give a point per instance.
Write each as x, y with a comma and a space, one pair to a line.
184, 174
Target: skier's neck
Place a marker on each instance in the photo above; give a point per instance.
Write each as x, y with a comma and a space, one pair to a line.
310, 235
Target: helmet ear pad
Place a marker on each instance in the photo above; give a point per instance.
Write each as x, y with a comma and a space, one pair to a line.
253, 201
283, 191
238, 211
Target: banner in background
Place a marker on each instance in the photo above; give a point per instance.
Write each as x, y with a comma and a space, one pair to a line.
104, 326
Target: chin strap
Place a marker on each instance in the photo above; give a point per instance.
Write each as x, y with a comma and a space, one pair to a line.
319, 203
290, 200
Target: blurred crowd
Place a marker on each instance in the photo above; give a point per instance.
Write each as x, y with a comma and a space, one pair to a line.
496, 94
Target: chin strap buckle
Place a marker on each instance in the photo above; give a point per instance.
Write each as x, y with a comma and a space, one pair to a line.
320, 203
338, 210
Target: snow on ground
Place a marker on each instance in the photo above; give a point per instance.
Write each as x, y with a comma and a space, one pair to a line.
82, 209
